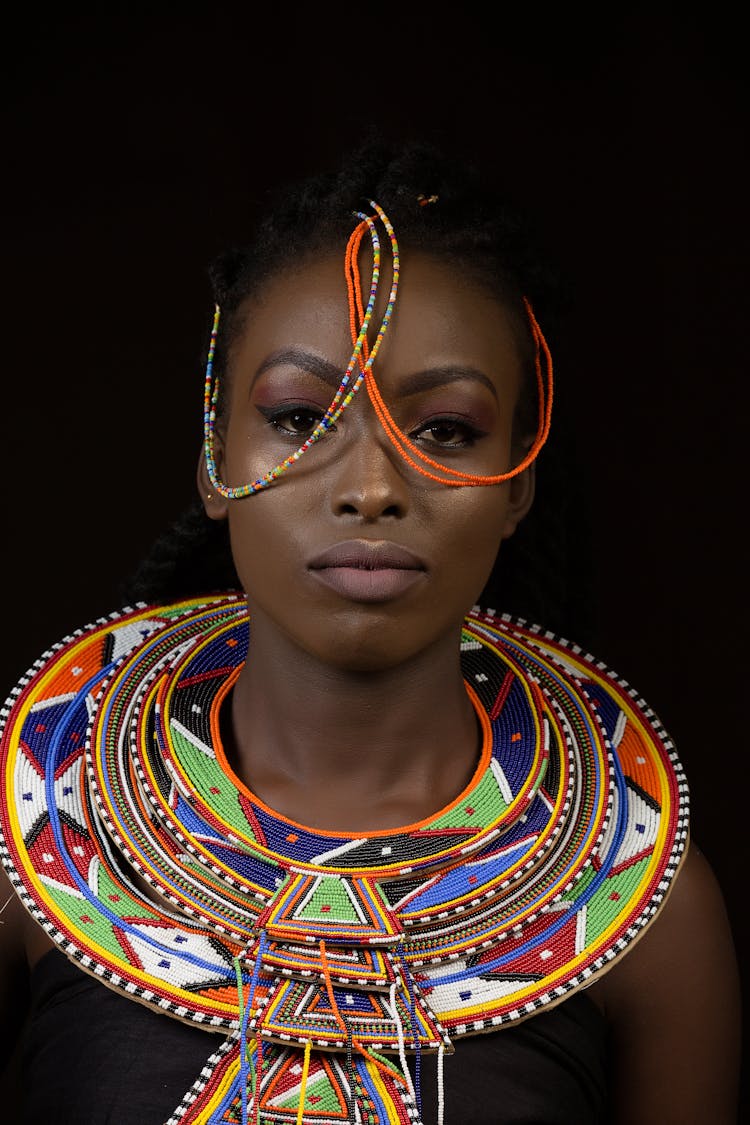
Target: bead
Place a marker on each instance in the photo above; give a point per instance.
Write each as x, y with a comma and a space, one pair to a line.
548, 866
359, 320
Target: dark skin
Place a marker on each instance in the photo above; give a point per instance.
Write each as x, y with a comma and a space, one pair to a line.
352, 713
353, 486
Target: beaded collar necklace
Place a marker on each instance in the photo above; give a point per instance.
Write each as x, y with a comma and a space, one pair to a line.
323, 958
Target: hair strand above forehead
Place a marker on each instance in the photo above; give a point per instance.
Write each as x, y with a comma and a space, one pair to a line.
468, 222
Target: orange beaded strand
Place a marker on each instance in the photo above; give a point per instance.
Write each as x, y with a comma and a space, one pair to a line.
402, 442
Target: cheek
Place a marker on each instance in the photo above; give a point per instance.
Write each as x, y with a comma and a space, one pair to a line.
245, 457
260, 544
475, 534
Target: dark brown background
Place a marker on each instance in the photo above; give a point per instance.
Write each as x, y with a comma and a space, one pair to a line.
135, 145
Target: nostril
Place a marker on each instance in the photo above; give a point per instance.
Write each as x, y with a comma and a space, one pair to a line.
368, 511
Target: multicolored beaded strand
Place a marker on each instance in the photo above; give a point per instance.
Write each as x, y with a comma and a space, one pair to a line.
346, 390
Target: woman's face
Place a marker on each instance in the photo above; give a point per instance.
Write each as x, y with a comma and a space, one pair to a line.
352, 554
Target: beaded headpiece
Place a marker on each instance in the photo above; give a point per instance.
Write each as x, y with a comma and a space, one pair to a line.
362, 359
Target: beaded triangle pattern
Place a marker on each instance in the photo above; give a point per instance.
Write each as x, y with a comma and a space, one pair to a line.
323, 958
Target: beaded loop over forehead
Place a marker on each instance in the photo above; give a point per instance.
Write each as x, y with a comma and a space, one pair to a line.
362, 358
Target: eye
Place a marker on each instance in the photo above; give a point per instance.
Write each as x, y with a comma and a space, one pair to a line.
447, 433
296, 421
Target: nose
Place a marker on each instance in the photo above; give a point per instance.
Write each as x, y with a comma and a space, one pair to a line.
370, 479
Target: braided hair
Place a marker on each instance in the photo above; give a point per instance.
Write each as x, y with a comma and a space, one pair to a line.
442, 206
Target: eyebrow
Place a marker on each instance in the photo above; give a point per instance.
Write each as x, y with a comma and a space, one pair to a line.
414, 383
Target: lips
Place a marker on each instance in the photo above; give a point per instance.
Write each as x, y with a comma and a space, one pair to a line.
368, 571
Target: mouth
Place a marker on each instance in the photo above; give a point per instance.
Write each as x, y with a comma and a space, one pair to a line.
368, 571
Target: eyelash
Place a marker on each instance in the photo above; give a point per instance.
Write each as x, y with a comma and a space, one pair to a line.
471, 434
276, 415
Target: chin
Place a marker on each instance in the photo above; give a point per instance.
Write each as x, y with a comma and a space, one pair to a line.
367, 648
371, 639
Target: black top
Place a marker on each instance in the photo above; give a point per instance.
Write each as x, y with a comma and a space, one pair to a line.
93, 1056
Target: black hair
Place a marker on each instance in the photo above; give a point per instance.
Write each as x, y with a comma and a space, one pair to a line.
441, 205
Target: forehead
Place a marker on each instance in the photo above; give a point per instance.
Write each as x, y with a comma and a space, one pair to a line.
443, 316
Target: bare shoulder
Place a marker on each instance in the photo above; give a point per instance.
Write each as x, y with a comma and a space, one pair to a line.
12, 925
13, 974
22, 940
673, 1005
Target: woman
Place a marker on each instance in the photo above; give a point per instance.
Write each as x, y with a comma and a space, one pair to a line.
337, 844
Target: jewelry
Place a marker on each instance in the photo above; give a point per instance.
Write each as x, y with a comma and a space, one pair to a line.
359, 322
346, 390
330, 954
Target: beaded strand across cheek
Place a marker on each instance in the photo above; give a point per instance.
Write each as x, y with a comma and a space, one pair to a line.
347, 388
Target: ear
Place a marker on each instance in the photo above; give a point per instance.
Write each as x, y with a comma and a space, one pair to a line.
215, 505
522, 489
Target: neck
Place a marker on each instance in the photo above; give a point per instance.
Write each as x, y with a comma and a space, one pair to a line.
352, 751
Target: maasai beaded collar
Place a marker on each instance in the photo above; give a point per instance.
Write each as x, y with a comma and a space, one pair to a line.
362, 359
324, 957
